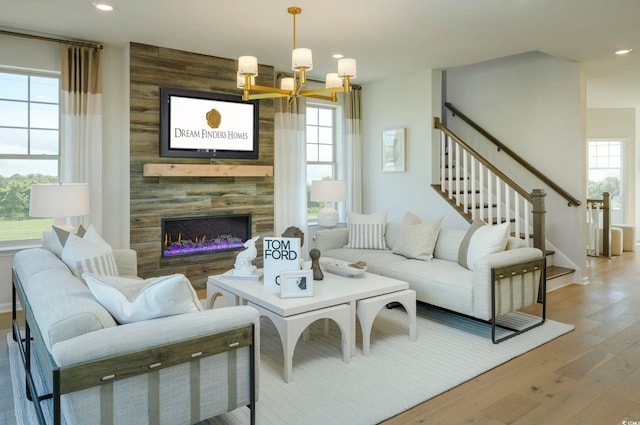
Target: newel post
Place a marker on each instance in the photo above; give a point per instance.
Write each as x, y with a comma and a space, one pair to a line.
606, 224
539, 236
538, 213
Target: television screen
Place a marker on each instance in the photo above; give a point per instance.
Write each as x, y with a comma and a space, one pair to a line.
211, 125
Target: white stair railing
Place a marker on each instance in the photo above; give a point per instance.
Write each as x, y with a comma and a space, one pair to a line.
480, 190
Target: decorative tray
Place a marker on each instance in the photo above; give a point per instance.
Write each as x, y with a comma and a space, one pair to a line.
344, 268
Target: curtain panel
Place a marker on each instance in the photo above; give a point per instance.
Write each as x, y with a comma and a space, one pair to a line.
81, 126
290, 175
353, 141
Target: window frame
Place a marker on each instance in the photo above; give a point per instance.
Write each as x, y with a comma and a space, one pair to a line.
622, 211
338, 151
30, 73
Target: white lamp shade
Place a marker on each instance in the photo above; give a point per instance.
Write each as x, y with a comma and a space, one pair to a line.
59, 200
332, 81
347, 68
301, 58
286, 83
328, 190
248, 65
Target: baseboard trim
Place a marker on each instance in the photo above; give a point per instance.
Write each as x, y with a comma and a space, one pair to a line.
8, 307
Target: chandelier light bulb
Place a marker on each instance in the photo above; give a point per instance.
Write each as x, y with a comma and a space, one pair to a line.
287, 83
301, 59
332, 80
347, 68
248, 65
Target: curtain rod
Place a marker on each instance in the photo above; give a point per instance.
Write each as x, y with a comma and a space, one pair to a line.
54, 40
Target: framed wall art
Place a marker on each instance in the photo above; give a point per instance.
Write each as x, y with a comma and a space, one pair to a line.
393, 150
296, 283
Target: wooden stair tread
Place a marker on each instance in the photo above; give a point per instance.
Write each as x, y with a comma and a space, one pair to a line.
557, 271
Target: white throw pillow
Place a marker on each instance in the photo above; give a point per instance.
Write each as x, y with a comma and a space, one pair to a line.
366, 231
484, 240
89, 254
54, 238
133, 300
417, 239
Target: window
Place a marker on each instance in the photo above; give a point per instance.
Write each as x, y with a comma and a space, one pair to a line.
606, 174
321, 150
29, 147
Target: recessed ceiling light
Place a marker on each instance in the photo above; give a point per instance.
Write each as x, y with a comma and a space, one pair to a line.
623, 51
105, 7
338, 56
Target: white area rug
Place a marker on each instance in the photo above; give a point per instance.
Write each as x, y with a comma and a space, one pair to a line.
398, 375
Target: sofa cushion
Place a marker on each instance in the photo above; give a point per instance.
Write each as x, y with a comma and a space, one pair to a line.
481, 240
417, 238
89, 254
438, 282
133, 300
367, 231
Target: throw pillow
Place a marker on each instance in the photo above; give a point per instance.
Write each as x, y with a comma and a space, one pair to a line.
417, 239
464, 245
54, 238
366, 231
133, 300
88, 254
483, 240
63, 234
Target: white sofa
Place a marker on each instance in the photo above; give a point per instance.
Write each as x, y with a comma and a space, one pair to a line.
442, 281
178, 369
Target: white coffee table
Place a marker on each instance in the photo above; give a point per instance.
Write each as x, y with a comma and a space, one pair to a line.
335, 297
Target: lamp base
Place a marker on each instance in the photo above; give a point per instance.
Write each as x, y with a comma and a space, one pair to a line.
328, 217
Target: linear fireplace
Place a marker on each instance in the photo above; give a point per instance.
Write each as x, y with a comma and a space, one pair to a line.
197, 235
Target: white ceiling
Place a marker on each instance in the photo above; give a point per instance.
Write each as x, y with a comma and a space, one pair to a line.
386, 37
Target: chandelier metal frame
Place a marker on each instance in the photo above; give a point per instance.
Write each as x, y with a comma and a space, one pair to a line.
294, 86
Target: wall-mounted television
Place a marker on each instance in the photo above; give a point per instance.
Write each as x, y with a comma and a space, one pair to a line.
209, 125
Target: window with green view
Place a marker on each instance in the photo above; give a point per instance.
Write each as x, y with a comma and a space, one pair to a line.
29, 147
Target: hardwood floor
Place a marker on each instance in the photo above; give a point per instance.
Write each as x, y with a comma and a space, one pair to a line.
588, 376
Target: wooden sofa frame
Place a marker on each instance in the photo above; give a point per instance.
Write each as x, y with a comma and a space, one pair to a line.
104, 372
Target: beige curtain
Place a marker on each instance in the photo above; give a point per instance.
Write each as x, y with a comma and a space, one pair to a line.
354, 141
81, 125
290, 171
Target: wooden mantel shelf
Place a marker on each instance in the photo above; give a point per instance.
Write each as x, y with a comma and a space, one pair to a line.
206, 170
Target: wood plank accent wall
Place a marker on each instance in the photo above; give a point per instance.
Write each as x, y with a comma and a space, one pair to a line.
154, 197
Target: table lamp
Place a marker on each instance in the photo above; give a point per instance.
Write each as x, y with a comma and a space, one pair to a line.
329, 192
59, 200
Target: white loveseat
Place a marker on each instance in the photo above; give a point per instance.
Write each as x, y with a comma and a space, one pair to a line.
178, 369
442, 281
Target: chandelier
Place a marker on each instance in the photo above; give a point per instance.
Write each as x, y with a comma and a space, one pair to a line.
291, 87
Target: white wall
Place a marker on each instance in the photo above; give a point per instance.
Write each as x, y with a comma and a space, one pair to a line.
534, 104
619, 123
405, 101
39, 55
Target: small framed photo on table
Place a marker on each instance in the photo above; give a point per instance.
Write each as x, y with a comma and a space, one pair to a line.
393, 150
296, 283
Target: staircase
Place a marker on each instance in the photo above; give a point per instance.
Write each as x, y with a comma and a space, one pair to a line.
477, 189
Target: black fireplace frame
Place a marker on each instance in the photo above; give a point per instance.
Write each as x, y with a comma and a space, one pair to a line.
163, 221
